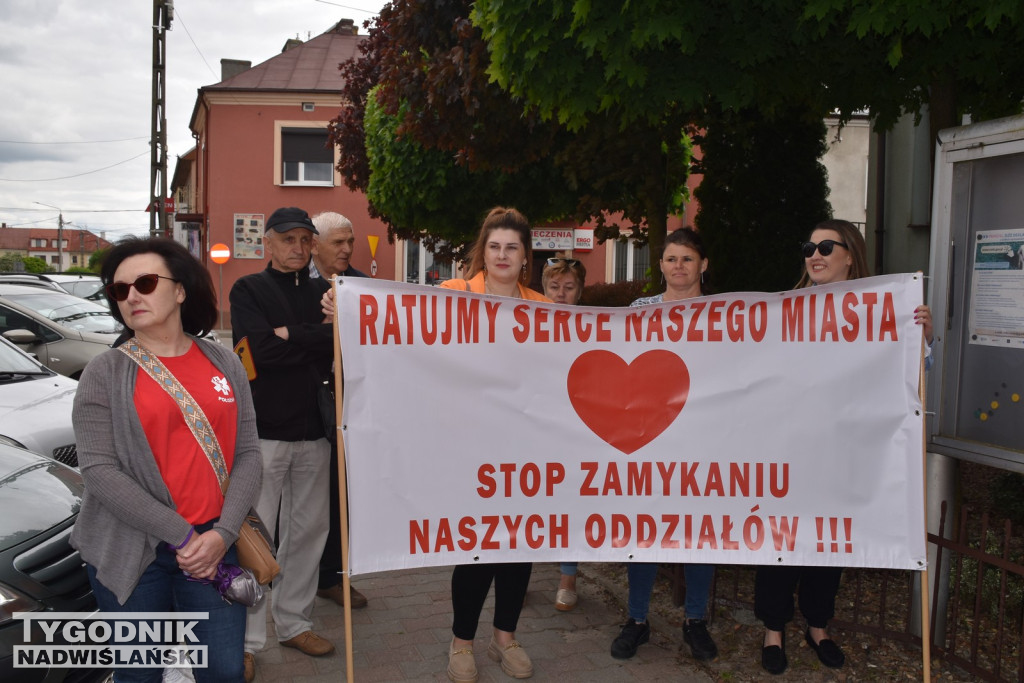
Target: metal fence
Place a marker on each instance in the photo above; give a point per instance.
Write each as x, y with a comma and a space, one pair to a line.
978, 579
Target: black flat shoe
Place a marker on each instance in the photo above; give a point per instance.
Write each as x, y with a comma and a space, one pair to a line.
827, 650
773, 657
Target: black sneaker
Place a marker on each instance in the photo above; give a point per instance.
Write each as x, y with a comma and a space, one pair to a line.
632, 636
695, 634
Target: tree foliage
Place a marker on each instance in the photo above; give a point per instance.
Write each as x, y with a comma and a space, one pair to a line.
34, 264
574, 59
764, 188
640, 172
445, 201
957, 56
749, 65
96, 259
433, 67
641, 58
19, 263
428, 63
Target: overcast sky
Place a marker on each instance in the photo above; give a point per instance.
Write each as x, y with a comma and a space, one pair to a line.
76, 87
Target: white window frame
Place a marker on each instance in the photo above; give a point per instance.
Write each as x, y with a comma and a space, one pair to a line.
279, 129
421, 275
631, 260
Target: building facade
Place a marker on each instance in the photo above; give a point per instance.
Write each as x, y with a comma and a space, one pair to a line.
75, 248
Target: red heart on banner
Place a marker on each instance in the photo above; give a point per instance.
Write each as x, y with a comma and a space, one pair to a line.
628, 405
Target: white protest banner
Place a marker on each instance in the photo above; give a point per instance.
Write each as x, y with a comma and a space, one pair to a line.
776, 428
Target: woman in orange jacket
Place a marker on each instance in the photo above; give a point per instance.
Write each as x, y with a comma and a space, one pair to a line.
500, 263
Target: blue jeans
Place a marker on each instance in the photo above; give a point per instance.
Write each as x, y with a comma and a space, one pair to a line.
641, 577
569, 568
163, 587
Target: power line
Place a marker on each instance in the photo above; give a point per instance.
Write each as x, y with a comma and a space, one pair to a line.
357, 9
77, 175
41, 220
72, 142
177, 15
18, 208
105, 227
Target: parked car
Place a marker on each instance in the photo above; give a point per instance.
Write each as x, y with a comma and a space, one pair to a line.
30, 279
81, 285
85, 286
39, 570
63, 331
35, 406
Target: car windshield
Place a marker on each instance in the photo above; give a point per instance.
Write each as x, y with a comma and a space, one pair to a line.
13, 361
70, 311
87, 289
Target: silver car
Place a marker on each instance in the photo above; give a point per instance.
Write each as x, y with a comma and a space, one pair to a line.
81, 285
63, 331
85, 286
35, 406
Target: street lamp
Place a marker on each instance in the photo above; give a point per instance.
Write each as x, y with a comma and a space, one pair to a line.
60, 235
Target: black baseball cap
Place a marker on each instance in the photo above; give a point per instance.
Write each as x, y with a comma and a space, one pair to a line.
290, 218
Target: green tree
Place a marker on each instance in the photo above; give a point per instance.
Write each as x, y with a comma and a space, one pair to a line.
762, 192
96, 259
777, 61
573, 59
430, 64
34, 264
443, 202
957, 56
409, 105
15, 263
639, 59
8, 262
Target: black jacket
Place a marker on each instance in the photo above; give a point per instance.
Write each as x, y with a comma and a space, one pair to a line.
287, 372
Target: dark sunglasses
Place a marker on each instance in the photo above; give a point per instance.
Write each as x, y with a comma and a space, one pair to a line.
144, 284
824, 247
571, 262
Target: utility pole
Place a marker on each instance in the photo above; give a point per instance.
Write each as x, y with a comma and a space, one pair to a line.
60, 241
60, 235
163, 13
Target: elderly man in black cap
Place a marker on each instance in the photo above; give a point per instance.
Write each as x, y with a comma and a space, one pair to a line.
276, 318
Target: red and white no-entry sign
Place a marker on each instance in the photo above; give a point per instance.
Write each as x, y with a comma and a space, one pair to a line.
219, 253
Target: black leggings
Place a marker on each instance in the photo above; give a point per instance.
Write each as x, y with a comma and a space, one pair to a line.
470, 585
773, 594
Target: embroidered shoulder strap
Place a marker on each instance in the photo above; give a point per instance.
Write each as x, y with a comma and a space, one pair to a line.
194, 416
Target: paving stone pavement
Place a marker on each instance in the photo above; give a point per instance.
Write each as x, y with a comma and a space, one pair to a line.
404, 632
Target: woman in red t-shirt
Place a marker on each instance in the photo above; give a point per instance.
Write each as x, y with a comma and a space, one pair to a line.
153, 514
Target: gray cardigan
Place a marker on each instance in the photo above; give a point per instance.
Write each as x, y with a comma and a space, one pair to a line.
127, 509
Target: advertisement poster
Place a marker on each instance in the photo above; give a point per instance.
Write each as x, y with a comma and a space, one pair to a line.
248, 235
997, 289
779, 428
562, 239
190, 235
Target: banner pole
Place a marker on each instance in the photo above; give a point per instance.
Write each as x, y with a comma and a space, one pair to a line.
346, 581
926, 632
